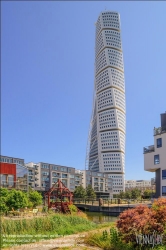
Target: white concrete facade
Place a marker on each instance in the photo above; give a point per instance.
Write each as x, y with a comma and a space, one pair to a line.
100, 182
140, 184
155, 157
108, 124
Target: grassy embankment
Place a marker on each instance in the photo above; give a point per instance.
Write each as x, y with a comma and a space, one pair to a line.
110, 241
22, 231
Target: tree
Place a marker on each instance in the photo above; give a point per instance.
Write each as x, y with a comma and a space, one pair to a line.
3, 198
90, 192
16, 199
148, 193
121, 195
128, 194
3, 207
35, 198
79, 192
4, 192
135, 193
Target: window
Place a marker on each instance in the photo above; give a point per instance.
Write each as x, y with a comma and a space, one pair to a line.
45, 166
64, 175
156, 159
164, 190
164, 174
56, 174
45, 173
64, 169
159, 142
54, 168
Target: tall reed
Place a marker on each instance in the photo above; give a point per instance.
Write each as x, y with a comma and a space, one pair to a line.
31, 230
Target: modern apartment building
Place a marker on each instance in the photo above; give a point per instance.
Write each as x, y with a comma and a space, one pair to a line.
140, 184
106, 140
44, 175
9, 159
100, 182
78, 178
33, 175
155, 157
13, 173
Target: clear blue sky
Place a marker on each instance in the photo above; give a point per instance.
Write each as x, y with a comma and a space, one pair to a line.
47, 67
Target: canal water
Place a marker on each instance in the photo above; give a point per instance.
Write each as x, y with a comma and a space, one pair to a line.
100, 217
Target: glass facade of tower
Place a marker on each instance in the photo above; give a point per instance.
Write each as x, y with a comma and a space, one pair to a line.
108, 124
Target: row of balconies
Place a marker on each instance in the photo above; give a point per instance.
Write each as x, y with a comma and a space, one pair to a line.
36, 179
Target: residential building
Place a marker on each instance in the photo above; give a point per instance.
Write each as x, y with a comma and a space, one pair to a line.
42, 176
78, 178
47, 174
106, 140
100, 182
33, 175
155, 157
140, 184
9, 159
13, 173
129, 184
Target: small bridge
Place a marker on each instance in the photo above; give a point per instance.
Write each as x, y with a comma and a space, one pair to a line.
108, 209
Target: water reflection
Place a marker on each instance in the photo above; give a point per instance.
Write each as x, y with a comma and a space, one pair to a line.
100, 217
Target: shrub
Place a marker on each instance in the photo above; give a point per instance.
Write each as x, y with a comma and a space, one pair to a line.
142, 220
44, 209
72, 208
3, 207
108, 240
35, 198
16, 199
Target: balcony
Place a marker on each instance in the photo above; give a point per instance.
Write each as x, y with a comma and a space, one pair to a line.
78, 179
31, 180
159, 131
64, 176
30, 173
148, 149
56, 175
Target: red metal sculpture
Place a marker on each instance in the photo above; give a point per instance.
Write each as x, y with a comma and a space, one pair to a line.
60, 197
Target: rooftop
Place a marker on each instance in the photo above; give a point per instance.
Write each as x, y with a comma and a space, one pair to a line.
159, 130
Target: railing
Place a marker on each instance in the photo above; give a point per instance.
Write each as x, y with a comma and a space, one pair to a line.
148, 149
108, 201
158, 131
30, 173
31, 180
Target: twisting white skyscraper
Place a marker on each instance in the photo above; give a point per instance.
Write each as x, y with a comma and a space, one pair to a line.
106, 147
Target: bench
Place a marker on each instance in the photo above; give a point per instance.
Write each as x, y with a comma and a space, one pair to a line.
34, 211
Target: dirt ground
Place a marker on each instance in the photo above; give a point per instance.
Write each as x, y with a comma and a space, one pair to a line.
69, 242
